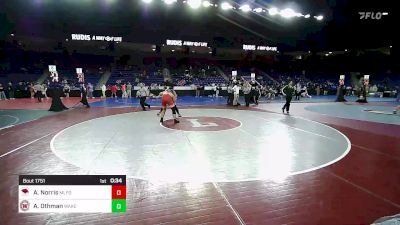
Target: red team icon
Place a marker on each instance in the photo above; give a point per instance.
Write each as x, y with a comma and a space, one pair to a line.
24, 205
25, 191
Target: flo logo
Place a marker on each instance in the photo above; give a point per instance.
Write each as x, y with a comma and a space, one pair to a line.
372, 15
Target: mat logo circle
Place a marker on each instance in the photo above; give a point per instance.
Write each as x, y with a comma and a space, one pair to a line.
203, 123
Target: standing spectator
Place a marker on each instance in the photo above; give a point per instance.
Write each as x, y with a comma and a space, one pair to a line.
2, 93
37, 89
84, 100
89, 90
114, 91
67, 89
230, 94
217, 89
44, 91
247, 92
236, 91
198, 88
31, 90
398, 93
123, 89
298, 91
10, 90
288, 91
318, 90
103, 90
129, 90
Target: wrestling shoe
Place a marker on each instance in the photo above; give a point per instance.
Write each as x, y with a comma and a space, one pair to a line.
176, 121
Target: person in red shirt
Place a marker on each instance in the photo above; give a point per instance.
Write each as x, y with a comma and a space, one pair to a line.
114, 91
123, 89
168, 100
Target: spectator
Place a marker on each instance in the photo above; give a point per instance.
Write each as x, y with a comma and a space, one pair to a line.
67, 89
37, 89
2, 93
114, 91
90, 90
10, 90
31, 90
236, 91
129, 90
103, 91
318, 90
44, 91
123, 89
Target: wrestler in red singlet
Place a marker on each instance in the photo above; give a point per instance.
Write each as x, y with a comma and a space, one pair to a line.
167, 99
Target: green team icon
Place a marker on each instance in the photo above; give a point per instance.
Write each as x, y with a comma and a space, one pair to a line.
118, 205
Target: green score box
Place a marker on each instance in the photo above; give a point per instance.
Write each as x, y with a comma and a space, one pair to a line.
118, 205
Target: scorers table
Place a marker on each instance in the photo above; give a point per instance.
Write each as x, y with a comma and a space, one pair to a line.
72, 193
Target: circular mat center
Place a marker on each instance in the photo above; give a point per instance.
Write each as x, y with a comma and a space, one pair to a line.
202, 123
245, 145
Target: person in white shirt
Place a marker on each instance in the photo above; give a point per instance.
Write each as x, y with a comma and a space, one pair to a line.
129, 90
142, 93
37, 88
103, 90
236, 90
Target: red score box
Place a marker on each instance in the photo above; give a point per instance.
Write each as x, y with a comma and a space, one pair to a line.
118, 192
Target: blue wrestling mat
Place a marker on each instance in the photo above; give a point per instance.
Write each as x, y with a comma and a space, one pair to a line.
190, 100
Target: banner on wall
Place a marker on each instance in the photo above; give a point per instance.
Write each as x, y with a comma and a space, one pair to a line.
186, 43
53, 73
80, 75
88, 37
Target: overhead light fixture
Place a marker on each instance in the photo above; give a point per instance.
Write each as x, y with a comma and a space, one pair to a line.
169, 2
326, 54
273, 11
173, 50
390, 46
147, 1
330, 52
226, 6
345, 50
245, 8
153, 49
258, 10
288, 13
206, 4
307, 16
319, 17
194, 4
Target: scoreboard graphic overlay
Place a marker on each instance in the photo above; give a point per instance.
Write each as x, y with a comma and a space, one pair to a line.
72, 194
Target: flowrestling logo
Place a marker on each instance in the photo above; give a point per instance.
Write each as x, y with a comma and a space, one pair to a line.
372, 15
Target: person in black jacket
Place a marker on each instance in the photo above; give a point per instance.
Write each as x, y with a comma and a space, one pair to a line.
56, 90
84, 96
288, 91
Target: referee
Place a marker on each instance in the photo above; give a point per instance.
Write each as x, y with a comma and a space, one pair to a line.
142, 93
